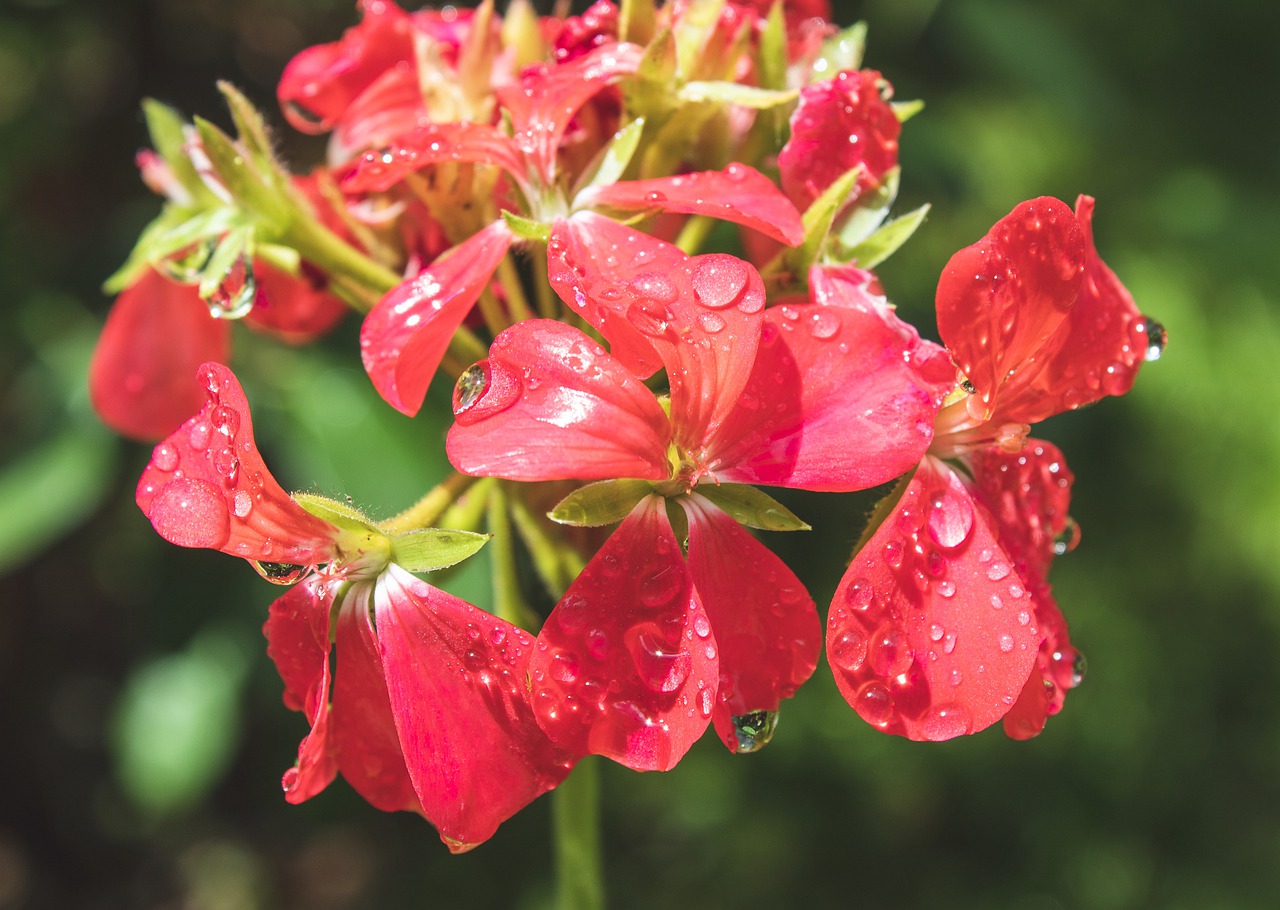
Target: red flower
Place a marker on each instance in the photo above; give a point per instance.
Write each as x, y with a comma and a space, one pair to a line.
649, 644
428, 710
406, 334
943, 624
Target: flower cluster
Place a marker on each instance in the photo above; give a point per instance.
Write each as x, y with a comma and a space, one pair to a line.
641, 241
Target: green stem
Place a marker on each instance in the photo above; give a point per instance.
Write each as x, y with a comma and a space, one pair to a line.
427, 511
575, 828
694, 234
548, 302
510, 280
325, 249
508, 600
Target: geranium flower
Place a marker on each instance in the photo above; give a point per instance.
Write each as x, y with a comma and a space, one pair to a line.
651, 643
428, 710
943, 624
406, 334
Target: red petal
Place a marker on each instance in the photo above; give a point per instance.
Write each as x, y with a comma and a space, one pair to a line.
1001, 300
701, 315
1095, 352
931, 633
456, 676
1059, 667
839, 123
625, 665
766, 628
543, 105
320, 82
407, 333
297, 631
739, 194
435, 143
551, 404
156, 335
364, 728
207, 486
842, 397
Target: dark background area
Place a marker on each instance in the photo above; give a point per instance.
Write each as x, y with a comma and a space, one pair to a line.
143, 732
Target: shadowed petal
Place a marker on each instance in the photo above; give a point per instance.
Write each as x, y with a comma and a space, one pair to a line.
207, 486
625, 665
551, 404
456, 677
407, 333
932, 634
433, 143
766, 628
156, 335
297, 631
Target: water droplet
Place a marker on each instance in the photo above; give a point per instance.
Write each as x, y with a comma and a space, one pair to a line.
859, 594
279, 573
242, 504
564, 666
165, 457
1068, 539
659, 667
849, 650
701, 627
1157, 338
824, 323
890, 652
191, 513
936, 632
947, 721
653, 197
893, 552
1078, 667
470, 387
649, 317
754, 729
1006, 643
946, 588
236, 292
997, 570
289, 780
950, 519
661, 587
711, 322
874, 704
654, 286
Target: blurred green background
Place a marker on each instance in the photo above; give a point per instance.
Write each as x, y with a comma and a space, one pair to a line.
143, 732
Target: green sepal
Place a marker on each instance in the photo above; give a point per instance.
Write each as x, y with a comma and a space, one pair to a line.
617, 155
759, 99
817, 221
636, 20
752, 507
649, 93
772, 55
526, 227
885, 242
696, 25
339, 514
603, 503
169, 139
842, 51
868, 212
905, 110
882, 510
284, 258
430, 549
242, 177
251, 130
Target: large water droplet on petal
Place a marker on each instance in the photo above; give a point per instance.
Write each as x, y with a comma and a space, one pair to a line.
890, 652
946, 721
950, 519
280, 573
165, 457
191, 513
236, 292
470, 387
1157, 338
874, 704
661, 667
849, 650
718, 280
754, 729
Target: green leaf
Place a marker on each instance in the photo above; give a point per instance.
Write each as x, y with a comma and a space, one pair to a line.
649, 93
636, 19
752, 507
817, 221
617, 154
885, 242
176, 726
842, 51
431, 549
868, 212
338, 514
772, 56
601, 503
905, 110
759, 99
526, 227
169, 139
241, 176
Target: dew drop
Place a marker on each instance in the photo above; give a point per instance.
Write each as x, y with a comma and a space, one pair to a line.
944, 722
712, 323
1157, 338
236, 292
824, 323
198, 436
893, 552
289, 780
279, 573
1006, 643
997, 570
242, 504
946, 588
859, 594
191, 513
754, 729
470, 387
659, 667
890, 652
165, 457
874, 704
849, 650
564, 667
950, 519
